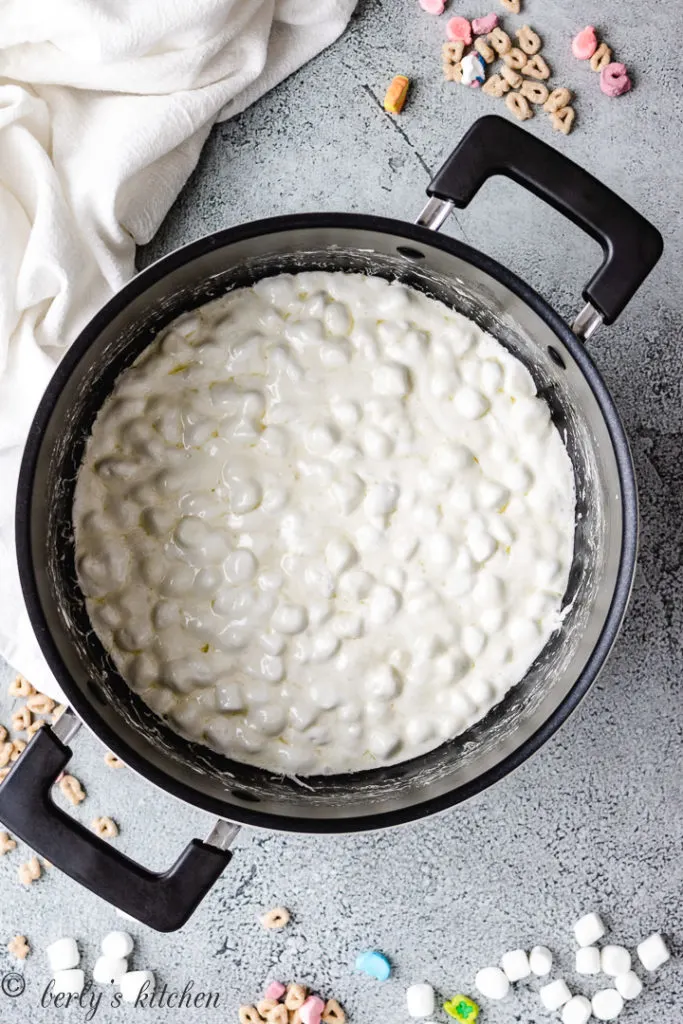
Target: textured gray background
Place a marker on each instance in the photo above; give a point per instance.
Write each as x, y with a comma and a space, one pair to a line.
595, 820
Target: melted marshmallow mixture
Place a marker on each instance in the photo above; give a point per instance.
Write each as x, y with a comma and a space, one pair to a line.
324, 523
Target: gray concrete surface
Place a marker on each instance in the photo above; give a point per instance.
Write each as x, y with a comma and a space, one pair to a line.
596, 819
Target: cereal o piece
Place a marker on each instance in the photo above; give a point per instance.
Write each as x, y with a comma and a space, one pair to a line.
536, 68
433, 6
267, 1004
585, 43
21, 719
3, 734
652, 952
515, 964
512, 6
607, 1004
462, 1008
452, 72
563, 120
535, 92
18, 748
496, 86
295, 996
540, 960
30, 871
529, 41
555, 995
500, 41
512, 78
420, 1000
588, 960
20, 687
576, 1011
112, 761
19, 947
279, 1014
628, 985
614, 80
615, 960
396, 95
333, 1013
276, 918
519, 106
484, 50
35, 726
105, 828
40, 704
557, 99
6, 751
481, 26
515, 58
459, 28
452, 52
492, 983
601, 58
588, 929
7, 844
249, 1015
72, 789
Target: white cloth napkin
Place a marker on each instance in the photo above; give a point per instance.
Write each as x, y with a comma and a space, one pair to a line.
104, 107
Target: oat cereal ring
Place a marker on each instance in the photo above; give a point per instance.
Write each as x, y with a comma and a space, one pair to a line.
452, 52
3, 734
295, 1017
536, 68
529, 41
276, 918
558, 98
40, 704
278, 1015
6, 751
19, 947
4, 772
249, 1015
500, 41
7, 844
483, 48
18, 748
72, 789
295, 996
333, 1013
512, 6
519, 106
511, 77
20, 687
30, 871
601, 58
266, 1005
563, 119
452, 72
21, 719
535, 92
515, 58
105, 828
112, 761
34, 727
496, 86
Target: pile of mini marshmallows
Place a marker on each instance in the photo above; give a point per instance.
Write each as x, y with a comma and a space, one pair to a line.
111, 968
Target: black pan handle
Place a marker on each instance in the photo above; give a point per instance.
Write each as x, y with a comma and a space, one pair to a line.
163, 901
631, 245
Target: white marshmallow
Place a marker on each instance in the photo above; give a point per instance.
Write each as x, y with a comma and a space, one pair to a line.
515, 964
588, 960
615, 960
109, 970
420, 1000
63, 954
492, 983
628, 985
607, 1004
652, 952
576, 1011
588, 929
69, 982
555, 994
133, 983
540, 960
117, 945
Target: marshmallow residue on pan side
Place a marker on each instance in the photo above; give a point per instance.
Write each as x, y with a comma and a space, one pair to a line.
324, 523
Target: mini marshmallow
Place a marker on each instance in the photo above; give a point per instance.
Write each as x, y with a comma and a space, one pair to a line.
515, 964
555, 995
275, 990
540, 960
615, 960
433, 6
482, 26
70, 982
576, 1011
588, 960
311, 1011
588, 929
459, 28
109, 970
629, 985
652, 952
134, 984
63, 955
420, 1000
117, 945
492, 983
607, 1004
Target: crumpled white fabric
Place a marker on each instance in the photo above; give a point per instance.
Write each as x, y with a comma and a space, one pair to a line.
104, 107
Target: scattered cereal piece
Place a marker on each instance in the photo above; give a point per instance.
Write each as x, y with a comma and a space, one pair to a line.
615, 960
540, 960
576, 1011
558, 98
481, 26
492, 983
473, 69
496, 86
18, 748
112, 761
529, 41
515, 58
311, 1011
601, 58
652, 952
333, 1013
513, 79
275, 990
420, 1000
395, 98
21, 719
266, 1005
20, 687
57, 713
629, 985
459, 28
519, 106
4, 772
500, 41
453, 72
462, 1008
588, 929
563, 120
433, 6
452, 54
7, 844
375, 964
6, 751
588, 960
585, 43
34, 727
607, 1004
614, 80
72, 789
536, 68
515, 964
40, 704
276, 918
535, 92
295, 996
105, 828
30, 871
3, 734
555, 994
280, 1014
484, 50
19, 947
513, 6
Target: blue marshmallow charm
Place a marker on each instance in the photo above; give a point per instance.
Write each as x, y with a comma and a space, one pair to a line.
373, 963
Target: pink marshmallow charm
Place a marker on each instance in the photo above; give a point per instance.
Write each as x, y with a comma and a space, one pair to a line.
459, 28
275, 990
614, 80
311, 1011
585, 43
433, 6
482, 26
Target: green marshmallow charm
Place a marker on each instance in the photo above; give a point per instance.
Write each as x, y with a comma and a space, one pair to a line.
462, 1008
